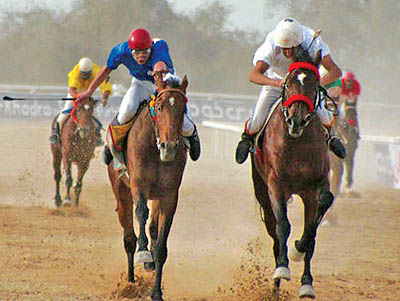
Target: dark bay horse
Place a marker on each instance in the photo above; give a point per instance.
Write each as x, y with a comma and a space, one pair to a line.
292, 158
156, 157
78, 141
347, 129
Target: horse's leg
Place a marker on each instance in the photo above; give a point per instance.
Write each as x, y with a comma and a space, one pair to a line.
68, 180
304, 248
153, 229
349, 161
142, 214
261, 192
167, 210
82, 168
57, 157
336, 174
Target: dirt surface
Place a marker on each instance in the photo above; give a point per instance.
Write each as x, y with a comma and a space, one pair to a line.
218, 248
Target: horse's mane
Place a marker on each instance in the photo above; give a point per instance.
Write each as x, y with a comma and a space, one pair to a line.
302, 55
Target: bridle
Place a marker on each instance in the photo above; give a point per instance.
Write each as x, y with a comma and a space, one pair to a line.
153, 114
311, 104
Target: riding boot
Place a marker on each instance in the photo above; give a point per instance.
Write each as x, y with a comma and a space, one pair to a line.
335, 144
115, 137
55, 134
244, 147
194, 145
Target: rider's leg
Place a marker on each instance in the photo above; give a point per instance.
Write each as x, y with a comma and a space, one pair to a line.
119, 127
99, 141
55, 137
334, 143
189, 131
266, 99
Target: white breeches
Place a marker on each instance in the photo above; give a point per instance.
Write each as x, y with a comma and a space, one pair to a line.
68, 105
138, 92
266, 99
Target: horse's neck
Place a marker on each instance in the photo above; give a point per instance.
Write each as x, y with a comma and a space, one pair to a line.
145, 125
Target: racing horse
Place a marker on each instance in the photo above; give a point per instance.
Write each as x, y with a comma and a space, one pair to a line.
156, 156
78, 141
347, 129
292, 158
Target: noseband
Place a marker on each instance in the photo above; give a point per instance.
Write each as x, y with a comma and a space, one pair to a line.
153, 113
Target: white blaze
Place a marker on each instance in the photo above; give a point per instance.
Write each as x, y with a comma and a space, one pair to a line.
172, 101
301, 78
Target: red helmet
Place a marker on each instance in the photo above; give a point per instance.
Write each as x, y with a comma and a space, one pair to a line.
349, 76
140, 38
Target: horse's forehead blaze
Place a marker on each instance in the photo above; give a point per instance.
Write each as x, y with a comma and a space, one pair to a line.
171, 101
301, 77
87, 107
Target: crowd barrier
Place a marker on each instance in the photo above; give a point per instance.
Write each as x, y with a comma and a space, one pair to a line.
222, 111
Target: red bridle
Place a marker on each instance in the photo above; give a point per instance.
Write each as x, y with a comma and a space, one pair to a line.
301, 97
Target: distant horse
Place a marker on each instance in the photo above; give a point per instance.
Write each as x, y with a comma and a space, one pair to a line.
156, 157
347, 129
78, 141
292, 158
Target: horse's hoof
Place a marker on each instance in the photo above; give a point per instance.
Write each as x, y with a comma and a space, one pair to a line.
143, 256
58, 202
149, 266
67, 203
307, 291
282, 273
295, 255
157, 298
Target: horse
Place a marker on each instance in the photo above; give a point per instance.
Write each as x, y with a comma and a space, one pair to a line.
156, 156
291, 157
78, 142
347, 129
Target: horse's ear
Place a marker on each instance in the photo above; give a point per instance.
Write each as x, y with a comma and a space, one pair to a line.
318, 58
184, 84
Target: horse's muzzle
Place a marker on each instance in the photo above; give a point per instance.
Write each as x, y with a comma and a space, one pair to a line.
168, 151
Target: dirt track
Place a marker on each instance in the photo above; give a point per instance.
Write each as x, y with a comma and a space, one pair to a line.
218, 248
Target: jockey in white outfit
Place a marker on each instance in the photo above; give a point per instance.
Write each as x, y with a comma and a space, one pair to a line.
271, 63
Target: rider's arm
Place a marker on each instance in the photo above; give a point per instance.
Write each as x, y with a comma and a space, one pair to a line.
334, 71
100, 77
72, 91
257, 76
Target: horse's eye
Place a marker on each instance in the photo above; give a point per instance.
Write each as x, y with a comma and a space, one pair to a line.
158, 107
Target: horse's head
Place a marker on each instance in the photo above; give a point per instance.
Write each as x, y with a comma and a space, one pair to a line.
300, 91
169, 109
83, 117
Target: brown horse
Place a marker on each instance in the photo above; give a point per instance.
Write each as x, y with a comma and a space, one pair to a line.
156, 157
78, 141
292, 158
347, 129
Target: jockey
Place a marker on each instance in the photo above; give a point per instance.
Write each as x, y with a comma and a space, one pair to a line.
350, 88
271, 63
79, 79
142, 56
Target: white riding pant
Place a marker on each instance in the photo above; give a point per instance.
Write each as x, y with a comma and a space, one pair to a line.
266, 99
68, 105
137, 92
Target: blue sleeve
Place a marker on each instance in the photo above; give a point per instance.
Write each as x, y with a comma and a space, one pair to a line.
115, 57
161, 53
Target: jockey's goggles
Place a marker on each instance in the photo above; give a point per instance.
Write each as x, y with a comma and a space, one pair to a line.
85, 74
136, 51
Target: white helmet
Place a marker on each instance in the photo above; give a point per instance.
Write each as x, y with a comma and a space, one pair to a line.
288, 33
85, 65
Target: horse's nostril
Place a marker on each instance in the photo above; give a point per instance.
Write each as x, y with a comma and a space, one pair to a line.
163, 145
290, 121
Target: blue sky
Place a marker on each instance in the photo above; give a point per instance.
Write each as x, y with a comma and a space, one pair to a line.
250, 13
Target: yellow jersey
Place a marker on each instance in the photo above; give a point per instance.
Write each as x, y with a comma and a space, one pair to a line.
80, 84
